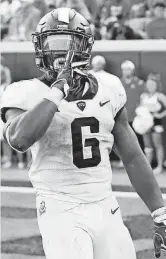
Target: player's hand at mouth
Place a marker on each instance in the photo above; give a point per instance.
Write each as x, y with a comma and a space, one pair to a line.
65, 75
66, 71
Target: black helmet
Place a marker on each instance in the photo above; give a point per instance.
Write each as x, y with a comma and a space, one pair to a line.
59, 31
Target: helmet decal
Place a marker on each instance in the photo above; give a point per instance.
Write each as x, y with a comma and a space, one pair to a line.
63, 15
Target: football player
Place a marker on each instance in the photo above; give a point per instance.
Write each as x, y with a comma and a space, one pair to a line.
70, 121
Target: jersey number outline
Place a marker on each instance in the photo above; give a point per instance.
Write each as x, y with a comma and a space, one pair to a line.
76, 130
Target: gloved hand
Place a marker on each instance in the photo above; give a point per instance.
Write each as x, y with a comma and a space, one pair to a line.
159, 239
65, 75
66, 72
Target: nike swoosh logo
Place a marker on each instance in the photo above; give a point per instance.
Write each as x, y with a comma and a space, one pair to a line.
113, 211
102, 104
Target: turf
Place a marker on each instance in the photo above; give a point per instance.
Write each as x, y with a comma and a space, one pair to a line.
148, 254
20, 234
17, 212
140, 227
33, 246
28, 246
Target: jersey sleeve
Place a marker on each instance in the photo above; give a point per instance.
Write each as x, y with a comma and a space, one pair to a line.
22, 95
119, 97
15, 96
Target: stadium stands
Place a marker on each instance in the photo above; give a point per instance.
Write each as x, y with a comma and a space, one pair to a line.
110, 20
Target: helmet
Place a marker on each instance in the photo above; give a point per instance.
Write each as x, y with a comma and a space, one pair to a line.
59, 31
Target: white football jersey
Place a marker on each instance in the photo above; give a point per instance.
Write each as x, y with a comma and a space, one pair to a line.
71, 161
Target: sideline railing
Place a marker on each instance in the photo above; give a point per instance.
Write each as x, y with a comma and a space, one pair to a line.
104, 46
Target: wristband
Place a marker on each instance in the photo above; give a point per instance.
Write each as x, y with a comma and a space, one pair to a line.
159, 212
54, 95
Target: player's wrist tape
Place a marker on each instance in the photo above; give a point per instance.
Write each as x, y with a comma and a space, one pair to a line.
59, 83
159, 214
54, 95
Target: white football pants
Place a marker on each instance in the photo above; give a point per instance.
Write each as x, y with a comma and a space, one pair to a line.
83, 231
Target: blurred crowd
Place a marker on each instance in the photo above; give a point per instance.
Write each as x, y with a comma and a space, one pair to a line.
109, 19
9, 157
146, 108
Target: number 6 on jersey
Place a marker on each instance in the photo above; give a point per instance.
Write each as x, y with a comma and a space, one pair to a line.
76, 129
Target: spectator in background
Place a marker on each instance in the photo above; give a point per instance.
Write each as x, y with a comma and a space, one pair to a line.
137, 19
117, 29
42, 6
93, 7
50, 6
58, 3
155, 102
5, 75
7, 152
99, 28
6, 149
98, 65
96, 28
24, 22
80, 7
116, 7
4, 27
134, 87
156, 28
110, 20
120, 7
8, 9
151, 3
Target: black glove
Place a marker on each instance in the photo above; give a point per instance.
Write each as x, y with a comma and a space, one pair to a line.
65, 75
66, 72
80, 79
